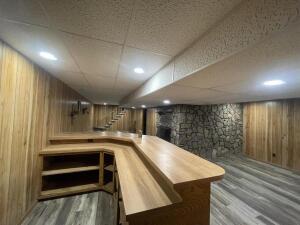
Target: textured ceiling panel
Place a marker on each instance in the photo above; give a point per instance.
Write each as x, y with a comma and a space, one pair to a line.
182, 95
100, 82
170, 26
251, 22
28, 11
31, 40
133, 58
102, 19
74, 80
102, 95
272, 59
290, 89
163, 78
93, 56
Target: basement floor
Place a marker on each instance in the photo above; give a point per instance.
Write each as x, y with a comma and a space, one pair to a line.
251, 193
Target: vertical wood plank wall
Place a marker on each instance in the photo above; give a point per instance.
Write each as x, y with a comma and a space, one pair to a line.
272, 132
151, 122
103, 114
27, 96
132, 121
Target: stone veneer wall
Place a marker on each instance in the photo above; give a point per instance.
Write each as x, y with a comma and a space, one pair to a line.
209, 130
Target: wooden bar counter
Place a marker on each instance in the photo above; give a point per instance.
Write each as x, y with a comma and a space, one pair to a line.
158, 182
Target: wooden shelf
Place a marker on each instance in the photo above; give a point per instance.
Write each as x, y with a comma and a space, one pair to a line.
109, 168
69, 190
69, 170
109, 187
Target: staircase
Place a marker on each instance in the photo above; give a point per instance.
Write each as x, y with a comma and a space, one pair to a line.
115, 117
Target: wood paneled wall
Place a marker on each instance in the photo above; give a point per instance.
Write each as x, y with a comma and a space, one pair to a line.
151, 122
132, 121
103, 114
272, 132
61, 99
27, 96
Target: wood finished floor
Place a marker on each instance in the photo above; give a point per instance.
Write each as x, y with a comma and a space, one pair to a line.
251, 193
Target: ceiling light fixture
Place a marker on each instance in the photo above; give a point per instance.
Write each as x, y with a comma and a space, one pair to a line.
273, 82
166, 101
47, 55
133, 107
143, 106
104, 103
139, 70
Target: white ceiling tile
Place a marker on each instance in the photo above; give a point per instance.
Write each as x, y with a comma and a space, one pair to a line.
72, 79
100, 82
30, 40
126, 84
27, 11
170, 26
102, 19
103, 95
275, 58
93, 56
187, 95
255, 87
133, 58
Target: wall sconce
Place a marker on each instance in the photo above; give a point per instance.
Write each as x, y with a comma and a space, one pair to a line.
85, 108
76, 108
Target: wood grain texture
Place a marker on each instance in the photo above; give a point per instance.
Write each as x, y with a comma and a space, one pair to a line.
187, 176
132, 121
251, 193
135, 178
151, 122
175, 164
103, 114
61, 99
27, 96
272, 132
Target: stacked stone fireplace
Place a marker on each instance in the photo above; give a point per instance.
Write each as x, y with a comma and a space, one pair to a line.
209, 131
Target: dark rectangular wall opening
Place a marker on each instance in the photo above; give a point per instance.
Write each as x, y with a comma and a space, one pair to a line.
164, 133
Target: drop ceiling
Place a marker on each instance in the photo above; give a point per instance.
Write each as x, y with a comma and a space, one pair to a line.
98, 44
240, 78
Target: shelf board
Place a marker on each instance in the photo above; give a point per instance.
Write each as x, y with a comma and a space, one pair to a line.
109, 168
69, 170
109, 187
69, 190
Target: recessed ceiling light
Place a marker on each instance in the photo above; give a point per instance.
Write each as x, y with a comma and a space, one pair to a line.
133, 107
104, 103
47, 55
139, 70
143, 106
166, 101
273, 82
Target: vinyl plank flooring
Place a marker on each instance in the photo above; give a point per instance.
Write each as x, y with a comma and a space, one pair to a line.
251, 193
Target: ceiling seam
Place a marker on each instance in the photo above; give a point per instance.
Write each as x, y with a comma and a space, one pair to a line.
81, 35
190, 46
53, 28
124, 45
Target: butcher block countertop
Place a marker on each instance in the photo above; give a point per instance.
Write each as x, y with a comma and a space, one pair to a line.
150, 169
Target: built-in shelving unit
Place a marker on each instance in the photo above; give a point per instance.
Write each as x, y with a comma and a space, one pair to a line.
69, 190
76, 173
121, 218
108, 171
70, 170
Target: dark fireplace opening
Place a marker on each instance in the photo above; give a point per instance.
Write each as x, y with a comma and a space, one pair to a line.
164, 133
